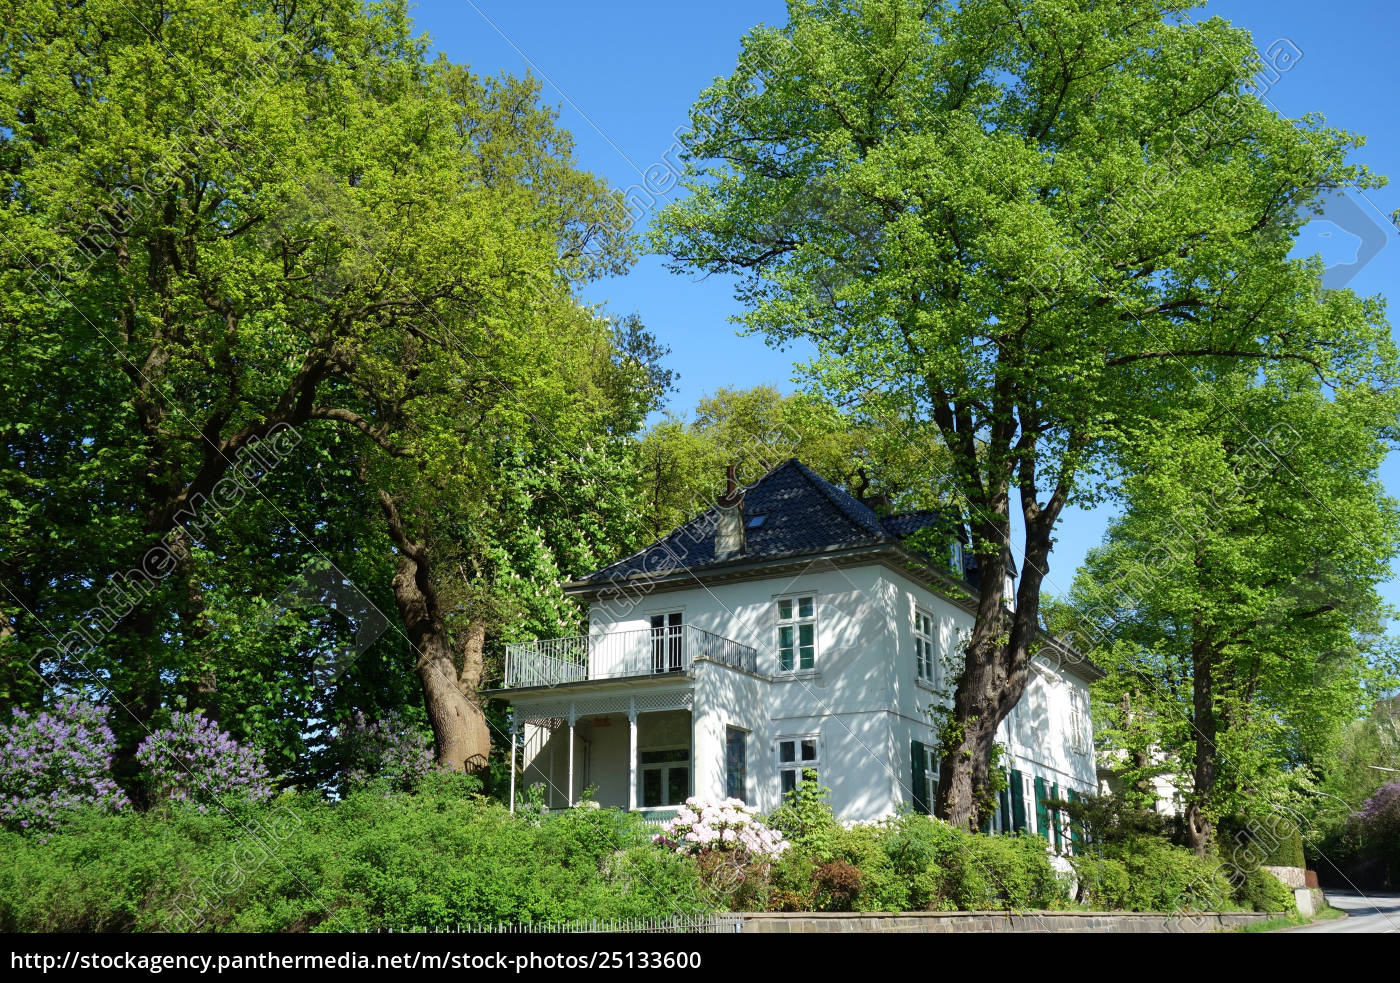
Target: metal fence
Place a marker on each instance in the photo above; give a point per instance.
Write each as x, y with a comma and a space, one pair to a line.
614, 655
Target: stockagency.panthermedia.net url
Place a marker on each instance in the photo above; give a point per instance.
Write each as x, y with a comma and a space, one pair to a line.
603, 959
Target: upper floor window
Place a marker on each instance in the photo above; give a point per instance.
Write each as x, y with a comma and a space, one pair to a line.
925, 658
797, 633
1079, 739
666, 640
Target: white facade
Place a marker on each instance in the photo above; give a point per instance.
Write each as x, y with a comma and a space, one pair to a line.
651, 720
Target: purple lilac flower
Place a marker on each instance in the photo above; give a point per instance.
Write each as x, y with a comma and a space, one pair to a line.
55, 762
388, 754
194, 762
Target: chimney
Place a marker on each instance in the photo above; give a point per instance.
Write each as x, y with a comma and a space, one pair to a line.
729, 526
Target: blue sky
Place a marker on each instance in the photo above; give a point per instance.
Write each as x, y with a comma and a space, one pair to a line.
624, 75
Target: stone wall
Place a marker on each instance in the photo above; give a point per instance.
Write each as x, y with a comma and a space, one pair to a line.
989, 921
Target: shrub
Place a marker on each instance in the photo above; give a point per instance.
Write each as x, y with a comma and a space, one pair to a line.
733, 850
1376, 831
1160, 877
367, 863
388, 755
728, 826
54, 763
1262, 891
194, 762
838, 883
1103, 883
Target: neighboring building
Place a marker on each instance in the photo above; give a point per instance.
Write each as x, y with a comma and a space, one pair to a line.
788, 627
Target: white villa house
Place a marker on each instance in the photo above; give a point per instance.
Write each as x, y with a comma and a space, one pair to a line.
789, 627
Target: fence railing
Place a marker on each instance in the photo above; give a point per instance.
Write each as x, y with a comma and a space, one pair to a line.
613, 655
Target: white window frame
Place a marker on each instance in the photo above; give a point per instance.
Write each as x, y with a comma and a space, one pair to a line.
931, 764
928, 641
1079, 740
664, 767
795, 622
672, 639
797, 764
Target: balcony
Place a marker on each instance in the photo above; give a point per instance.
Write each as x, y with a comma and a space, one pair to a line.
619, 655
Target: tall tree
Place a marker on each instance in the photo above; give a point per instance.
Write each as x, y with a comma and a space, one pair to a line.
1235, 601
1024, 222
225, 223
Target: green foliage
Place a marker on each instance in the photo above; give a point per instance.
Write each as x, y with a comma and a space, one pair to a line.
1038, 234
683, 464
1113, 818
1148, 874
1261, 891
439, 859
909, 862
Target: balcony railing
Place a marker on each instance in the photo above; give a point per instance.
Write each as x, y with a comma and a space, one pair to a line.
646, 652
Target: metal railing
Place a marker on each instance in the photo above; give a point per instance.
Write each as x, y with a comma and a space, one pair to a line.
614, 655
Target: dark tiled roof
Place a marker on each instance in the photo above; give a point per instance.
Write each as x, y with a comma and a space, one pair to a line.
803, 513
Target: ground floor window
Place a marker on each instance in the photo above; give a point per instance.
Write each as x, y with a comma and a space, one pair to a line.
665, 776
925, 784
736, 773
795, 756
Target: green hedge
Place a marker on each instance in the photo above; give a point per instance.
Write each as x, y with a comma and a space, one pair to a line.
435, 860
1149, 874
915, 863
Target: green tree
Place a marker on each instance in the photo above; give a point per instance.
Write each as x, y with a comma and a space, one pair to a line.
1025, 223
1235, 601
684, 463
225, 225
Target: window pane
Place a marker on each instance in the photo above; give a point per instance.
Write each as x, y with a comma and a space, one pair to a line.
785, 637
786, 751
785, 610
804, 634
785, 660
658, 621
804, 607
677, 785
789, 781
809, 750
808, 660
735, 765
651, 787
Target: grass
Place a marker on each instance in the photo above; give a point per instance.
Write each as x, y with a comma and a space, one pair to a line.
1292, 920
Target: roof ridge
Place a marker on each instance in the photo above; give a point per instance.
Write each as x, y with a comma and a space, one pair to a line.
872, 526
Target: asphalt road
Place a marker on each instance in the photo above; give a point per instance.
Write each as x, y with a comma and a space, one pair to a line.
1366, 913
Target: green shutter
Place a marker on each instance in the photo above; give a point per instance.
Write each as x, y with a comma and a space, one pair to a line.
1018, 801
1055, 819
1006, 805
1076, 835
916, 752
1042, 815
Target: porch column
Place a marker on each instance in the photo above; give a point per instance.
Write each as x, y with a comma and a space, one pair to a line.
572, 721
514, 731
632, 755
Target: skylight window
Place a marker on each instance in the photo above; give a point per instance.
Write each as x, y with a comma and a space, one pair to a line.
755, 521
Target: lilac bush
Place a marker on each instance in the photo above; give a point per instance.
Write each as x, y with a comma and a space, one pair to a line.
1382, 810
388, 755
194, 762
55, 762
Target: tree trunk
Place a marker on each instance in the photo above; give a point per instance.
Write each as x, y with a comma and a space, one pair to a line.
1199, 831
996, 669
461, 736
